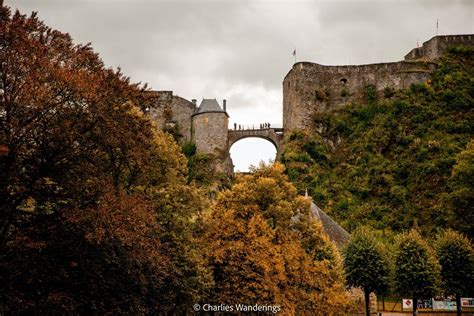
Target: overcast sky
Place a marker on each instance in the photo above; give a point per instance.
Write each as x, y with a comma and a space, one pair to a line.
241, 50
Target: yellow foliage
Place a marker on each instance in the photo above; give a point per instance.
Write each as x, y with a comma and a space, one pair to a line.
265, 247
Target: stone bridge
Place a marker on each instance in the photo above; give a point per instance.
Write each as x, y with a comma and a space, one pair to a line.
273, 135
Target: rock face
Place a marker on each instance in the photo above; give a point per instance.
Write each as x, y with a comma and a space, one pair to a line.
310, 88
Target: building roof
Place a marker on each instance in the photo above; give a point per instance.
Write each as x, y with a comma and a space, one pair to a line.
335, 232
209, 105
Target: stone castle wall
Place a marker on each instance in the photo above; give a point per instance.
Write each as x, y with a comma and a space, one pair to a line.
210, 132
309, 88
439, 45
168, 111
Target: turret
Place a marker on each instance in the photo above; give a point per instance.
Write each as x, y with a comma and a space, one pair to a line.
210, 125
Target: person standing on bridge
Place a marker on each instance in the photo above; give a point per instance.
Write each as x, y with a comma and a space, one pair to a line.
235, 126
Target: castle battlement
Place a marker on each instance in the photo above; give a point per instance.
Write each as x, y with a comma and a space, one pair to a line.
438, 46
311, 87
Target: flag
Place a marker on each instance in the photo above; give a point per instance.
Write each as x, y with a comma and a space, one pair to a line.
294, 52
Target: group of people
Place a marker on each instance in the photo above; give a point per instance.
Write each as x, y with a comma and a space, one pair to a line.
242, 127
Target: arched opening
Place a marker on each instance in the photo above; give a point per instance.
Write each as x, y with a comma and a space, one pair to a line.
251, 151
343, 81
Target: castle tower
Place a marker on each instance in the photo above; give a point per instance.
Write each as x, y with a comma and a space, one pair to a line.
210, 125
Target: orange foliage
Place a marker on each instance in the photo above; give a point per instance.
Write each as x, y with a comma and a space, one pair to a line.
265, 247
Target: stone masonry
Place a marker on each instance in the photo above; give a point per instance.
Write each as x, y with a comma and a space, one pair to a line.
310, 88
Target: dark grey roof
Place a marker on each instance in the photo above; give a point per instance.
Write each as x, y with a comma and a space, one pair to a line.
335, 232
209, 105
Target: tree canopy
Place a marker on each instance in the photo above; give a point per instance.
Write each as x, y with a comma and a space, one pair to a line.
265, 246
366, 263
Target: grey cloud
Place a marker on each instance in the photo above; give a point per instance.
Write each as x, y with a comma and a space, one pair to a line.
226, 48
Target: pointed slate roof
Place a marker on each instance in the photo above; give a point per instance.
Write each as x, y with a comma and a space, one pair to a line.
209, 105
336, 233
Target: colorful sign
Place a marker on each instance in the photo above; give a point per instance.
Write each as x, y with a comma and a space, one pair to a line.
421, 304
407, 303
467, 302
425, 304
445, 305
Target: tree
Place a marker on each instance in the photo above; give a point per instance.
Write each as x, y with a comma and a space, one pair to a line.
416, 267
456, 257
106, 259
90, 192
460, 199
67, 124
264, 246
366, 264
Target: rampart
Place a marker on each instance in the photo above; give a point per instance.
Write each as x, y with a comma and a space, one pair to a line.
438, 46
310, 88
171, 112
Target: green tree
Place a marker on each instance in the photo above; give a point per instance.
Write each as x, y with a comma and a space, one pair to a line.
460, 199
366, 264
416, 267
456, 257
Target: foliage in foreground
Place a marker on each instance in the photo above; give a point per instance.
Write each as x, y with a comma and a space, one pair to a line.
366, 264
456, 256
416, 267
265, 247
95, 212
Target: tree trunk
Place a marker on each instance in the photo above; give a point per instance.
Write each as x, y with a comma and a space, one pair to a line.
458, 304
367, 298
415, 306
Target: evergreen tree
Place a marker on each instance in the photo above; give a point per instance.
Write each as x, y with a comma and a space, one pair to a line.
366, 264
456, 256
416, 267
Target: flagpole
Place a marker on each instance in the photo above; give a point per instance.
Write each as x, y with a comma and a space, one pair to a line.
436, 27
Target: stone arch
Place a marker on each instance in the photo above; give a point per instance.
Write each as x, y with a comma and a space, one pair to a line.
270, 134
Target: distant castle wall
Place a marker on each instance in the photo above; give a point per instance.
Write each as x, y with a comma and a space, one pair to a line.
169, 111
438, 46
309, 88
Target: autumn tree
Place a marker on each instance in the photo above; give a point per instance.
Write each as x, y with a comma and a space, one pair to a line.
366, 264
89, 191
265, 247
456, 257
416, 267
65, 121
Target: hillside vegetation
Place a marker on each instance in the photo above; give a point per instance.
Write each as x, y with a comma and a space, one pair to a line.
399, 160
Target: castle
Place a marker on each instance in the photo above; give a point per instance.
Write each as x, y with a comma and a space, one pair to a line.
307, 88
